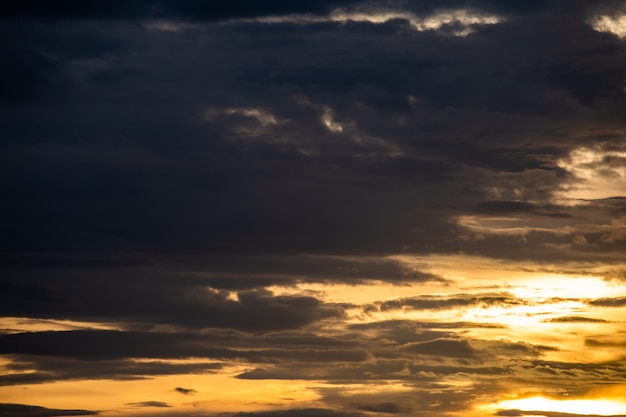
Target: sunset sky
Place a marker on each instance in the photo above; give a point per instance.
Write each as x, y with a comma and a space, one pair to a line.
332, 208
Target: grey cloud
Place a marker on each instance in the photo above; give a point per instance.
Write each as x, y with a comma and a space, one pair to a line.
426, 370
385, 408
107, 345
50, 369
430, 302
580, 377
402, 329
443, 347
504, 207
193, 306
428, 399
242, 271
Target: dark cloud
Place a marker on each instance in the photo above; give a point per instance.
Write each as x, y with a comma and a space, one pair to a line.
197, 10
158, 404
509, 207
185, 391
386, 408
304, 412
604, 343
237, 173
609, 302
74, 9
435, 303
188, 306
92, 344
19, 410
544, 413
107, 345
575, 319
50, 369
443, 347
278, 168
205, 176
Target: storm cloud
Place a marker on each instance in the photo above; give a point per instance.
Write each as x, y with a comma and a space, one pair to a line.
334, 208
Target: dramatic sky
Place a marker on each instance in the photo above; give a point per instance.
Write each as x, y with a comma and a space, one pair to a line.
333, 208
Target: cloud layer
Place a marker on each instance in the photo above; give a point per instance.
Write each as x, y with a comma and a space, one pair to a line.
334, 208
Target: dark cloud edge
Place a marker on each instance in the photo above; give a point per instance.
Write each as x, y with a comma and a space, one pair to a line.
22, 410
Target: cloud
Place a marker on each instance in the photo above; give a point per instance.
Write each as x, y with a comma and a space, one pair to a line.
107, 345
615, 25
609, 302
442, 347
273, 9
19, 410
385, 408
543, 413
238, 174
575, 319
304, 412
185, 391
462, 300
55, 368
155, 8
220, 184
509, 207
458, 22
603, 343
158, 404
192, 306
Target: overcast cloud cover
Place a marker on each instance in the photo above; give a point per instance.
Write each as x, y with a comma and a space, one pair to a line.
348, 208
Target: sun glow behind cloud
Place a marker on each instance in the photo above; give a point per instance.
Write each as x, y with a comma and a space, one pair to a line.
599, 173
610, 24
461, 21
219, 392
562, 286
21, 324
464, 18
601, 407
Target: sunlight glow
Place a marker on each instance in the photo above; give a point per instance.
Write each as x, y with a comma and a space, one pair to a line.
329, 121
581, 406
435, 21
460, 21
548, 286
24, 324
261, 116
219, 392
600, 173
518, 316
610, 24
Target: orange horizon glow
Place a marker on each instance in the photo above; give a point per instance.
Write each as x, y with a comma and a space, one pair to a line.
602, 407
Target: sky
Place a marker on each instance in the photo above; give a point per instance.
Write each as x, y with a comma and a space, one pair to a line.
332, 208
